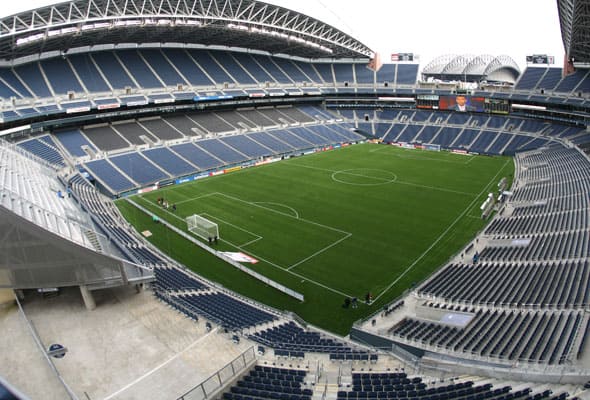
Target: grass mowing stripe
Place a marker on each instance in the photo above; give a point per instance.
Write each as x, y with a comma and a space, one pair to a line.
424, 157
213, 218
319, 252
390, 225
278, 204
442, 234
268, 261
434, 188
383, 179
257, 204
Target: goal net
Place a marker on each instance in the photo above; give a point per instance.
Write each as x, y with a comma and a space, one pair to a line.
202, 227
431, 146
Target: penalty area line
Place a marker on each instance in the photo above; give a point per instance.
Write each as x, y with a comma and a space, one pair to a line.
300, 276
194, 198
284, 269
319, 252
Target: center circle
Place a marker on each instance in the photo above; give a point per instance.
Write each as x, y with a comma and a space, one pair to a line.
364, 177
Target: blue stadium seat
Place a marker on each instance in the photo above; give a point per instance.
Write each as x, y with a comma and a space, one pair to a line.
112, 70
407, 74
212, 68
31, 74
137, 67
158, 62
222, 151
530, 78
169, 161
103, 170
44, 149
86, 70
138, 168
8, 76
197, 156
188, 67
234, 69
60, 76
247, 146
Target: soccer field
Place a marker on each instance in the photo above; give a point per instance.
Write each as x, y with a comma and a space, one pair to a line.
365, 218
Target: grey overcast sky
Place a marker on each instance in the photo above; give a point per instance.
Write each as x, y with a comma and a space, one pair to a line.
428, 28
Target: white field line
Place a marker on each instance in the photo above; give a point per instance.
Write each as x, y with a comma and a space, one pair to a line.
390, 181
258, 237
348, 234
285, 214
379, 148
421, 256
435, 188
167, 188
319, 252
250, 242
416, 156
300, 276
194, 198
278, 204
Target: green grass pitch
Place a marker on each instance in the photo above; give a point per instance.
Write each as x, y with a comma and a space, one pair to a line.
365, 218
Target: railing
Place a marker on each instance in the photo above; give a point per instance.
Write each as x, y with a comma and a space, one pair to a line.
54, 228
36, 101
221, 378
439, 270
260, 277
531, 365
504, 306
31, 102
29, 156
313, 348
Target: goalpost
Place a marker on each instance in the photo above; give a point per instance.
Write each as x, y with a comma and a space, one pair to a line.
202, 227
431, 146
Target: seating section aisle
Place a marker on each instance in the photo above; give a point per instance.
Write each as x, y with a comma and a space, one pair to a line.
32, 191
148, 150
138, 168
540, 284
109, 176
224, 310
264, 382
45, 148
290, 338
476, 133
398, 385
169, 161
105, 138
514, 335
524, 292
74, 142
107, 216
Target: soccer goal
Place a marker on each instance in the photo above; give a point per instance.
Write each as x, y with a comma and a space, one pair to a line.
431, 146
202, 227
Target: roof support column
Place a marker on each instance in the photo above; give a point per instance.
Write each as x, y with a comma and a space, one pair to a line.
87, 297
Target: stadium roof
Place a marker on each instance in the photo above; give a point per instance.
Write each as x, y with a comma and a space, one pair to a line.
247, 24
574, 16
473, 68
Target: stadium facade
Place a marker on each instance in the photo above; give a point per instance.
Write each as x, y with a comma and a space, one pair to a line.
106, 99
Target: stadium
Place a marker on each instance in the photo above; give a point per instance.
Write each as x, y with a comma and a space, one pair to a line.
223, 199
